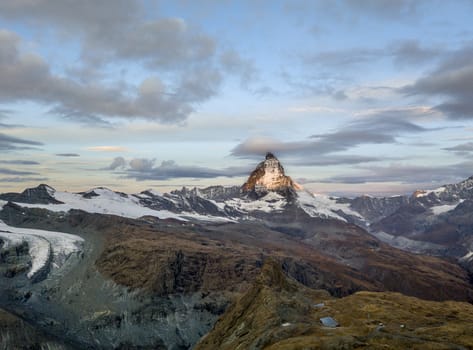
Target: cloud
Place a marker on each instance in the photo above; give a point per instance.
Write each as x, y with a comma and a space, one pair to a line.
4, 114
6, 171
408, 174
107, 149
411, 52
350, 10
80, 116
144, 169
336, 160
67, 155
9, 143
167, 42
387, 8
321, 83
403, 52
464, 149
369, 130
233, 63
19, 162
18, 179
451, 81
117, 163
114, 29
142, 164
27, 76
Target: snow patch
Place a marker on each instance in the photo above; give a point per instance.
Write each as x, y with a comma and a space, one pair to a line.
467, 257
440, 209
406, 243
324, 206
269, 203
50, 190
42, 244
109, 202
436, 191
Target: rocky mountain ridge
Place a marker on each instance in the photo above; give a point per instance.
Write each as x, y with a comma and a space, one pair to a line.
435, 222
105, 269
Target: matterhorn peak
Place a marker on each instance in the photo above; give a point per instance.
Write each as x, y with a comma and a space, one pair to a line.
269, 176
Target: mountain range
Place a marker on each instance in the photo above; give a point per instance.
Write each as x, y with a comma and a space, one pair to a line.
106, 269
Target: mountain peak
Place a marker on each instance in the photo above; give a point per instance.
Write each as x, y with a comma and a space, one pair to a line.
269, 176
269, 155
42, 194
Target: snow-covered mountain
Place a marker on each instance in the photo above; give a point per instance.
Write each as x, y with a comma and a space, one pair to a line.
215, 203
437, 221
267, 190
161, 267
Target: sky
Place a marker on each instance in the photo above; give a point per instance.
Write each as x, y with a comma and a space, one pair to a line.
353, 96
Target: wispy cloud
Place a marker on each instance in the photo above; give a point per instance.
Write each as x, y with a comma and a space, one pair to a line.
463, 149
19, 162
407, 52
7, 171
408, 174
364, 131
107, 149
18, 179
67, 155
451, 81
142, 169
233, 63
9, 143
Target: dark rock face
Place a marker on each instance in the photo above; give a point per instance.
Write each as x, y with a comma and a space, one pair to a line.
17, 334
36, 195
220, 193
184, 200
373, 208
14, 260
417, 217
88, 309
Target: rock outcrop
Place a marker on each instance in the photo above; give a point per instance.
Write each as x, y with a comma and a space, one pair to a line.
279, 313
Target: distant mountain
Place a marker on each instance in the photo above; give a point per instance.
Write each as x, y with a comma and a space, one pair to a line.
436, 222
105, 269
43, 194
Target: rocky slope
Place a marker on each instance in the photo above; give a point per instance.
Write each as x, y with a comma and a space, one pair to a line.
437, 222
163, 283
17, 334
279, 313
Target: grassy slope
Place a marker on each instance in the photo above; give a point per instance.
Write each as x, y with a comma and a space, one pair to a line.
279, 313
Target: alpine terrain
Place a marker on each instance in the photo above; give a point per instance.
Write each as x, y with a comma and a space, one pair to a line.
265, 265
